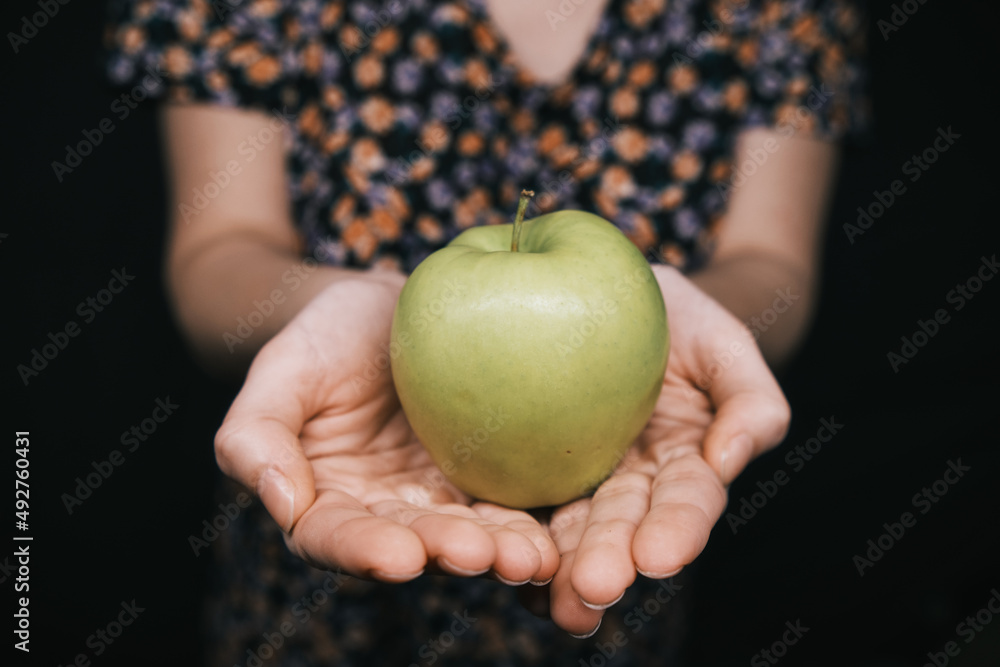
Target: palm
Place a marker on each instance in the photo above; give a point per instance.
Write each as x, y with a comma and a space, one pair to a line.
376, 504
719, 405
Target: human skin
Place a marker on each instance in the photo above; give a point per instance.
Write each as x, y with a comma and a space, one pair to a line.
239, 248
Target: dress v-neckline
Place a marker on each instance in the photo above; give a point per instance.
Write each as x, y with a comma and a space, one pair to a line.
506, 57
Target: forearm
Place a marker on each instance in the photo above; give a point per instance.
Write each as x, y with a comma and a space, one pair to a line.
774, 299
231, 297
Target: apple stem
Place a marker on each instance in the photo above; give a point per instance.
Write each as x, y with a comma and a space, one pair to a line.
526, 196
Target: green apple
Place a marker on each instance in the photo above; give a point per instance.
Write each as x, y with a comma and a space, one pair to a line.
530, 356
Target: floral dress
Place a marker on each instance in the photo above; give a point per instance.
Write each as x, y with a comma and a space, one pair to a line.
409, 121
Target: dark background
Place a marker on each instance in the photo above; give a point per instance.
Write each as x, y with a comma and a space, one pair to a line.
792, 561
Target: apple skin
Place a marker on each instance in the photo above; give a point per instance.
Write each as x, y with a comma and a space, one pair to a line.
527, 375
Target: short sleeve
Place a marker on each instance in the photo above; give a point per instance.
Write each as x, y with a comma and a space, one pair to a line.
229, 52
802, 66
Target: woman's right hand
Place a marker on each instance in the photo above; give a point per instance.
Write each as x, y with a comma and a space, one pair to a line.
318, 433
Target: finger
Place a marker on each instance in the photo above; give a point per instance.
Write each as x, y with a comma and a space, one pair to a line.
457, 543
603, 567
532, 557
258, 444
752, 415
565, 606
687, 499
339, 532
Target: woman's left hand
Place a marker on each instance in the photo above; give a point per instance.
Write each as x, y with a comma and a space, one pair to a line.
720, 407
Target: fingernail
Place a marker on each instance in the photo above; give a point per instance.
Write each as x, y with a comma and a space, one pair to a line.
454, 569
504, 580
385, 576
659, 575
735, 457
540, 583
278, 495
589, 634
602, 607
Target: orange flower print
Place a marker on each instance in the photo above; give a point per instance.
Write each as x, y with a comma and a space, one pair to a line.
484, 38
641, 232
523, 121
386, 40
293, 30
368, 71
464, 214
586, 169
606, 205
360, 239
429, 228
422, 169
312, 58
330, 16
425, 46
358, 180
244, 54
597, 59
746, 53
831, 63
682, 79
617, 182
686, 166
383, 225
771, 12
377, 114
807, 32
190, 26
177, 61
219, 38
366, 155
216, 80
397, 204
434, 137
671, 197
343, 210
477, 74
333, 97
145, 9
563, 94
642, 74
470, 143
335, 142
625, 103
311, 121
564, 156
500, 147
350, 39
612, 73
265, 8
552, 137
309, 182
630, 144
639, 13
735, 95
720, 170
264, 71
452, 13
588, 128
673, 255
132, 39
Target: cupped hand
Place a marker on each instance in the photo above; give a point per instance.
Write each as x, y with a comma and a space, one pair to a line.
720, 407
318, 433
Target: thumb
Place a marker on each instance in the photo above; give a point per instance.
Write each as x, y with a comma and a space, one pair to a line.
258, 443
265, 456
745, 426
751, 415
